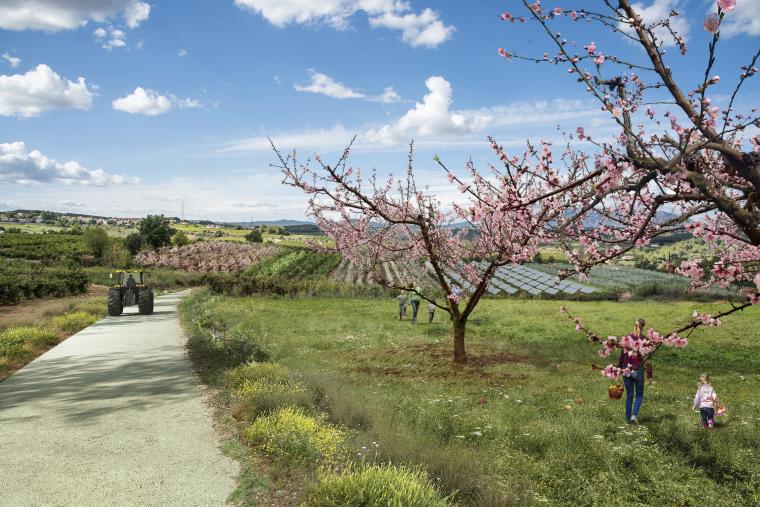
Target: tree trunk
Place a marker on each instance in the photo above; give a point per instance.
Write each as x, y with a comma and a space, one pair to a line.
460, 356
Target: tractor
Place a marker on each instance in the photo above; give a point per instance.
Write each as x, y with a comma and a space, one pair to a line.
130, 289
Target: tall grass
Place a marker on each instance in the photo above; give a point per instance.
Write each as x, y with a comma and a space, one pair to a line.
527, 421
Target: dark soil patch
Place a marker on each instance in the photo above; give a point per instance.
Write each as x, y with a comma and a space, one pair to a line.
435, 361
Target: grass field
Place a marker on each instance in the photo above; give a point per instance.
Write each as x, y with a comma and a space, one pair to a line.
28, 330
526, 421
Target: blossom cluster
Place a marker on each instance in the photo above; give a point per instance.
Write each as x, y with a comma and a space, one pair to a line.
208, 256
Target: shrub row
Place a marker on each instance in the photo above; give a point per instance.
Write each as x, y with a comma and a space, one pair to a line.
249, 283
21, 280
42, 246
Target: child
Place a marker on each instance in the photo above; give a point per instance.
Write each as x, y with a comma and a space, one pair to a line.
401, 305
431, 311
706, 400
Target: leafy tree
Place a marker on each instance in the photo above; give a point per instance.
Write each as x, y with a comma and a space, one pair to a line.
254, 236
97, 241
180, 239
133, 242
156, 231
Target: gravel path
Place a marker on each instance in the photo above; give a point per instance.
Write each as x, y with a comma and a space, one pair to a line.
112, 416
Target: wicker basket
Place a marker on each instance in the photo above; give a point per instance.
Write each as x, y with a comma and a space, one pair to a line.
615, 392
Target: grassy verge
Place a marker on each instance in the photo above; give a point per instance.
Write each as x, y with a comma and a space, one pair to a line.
278, 429
526, 421
23, 341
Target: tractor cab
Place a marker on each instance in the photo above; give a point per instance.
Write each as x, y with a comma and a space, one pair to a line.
130, 288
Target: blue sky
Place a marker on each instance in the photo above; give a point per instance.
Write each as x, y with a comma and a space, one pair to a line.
128, 107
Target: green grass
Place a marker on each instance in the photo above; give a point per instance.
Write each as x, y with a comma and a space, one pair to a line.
527, 420
371, 486
19, 344
75, 321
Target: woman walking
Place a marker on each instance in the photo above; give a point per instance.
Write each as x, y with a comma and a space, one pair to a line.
634, 382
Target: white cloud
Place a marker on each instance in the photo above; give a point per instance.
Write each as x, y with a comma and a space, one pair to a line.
744, 19
186, 103
388, 96
432, 122
20, 166
182, 52
112, 38
12, 60
143, 101
135, 13
325, 85
40, 90
67, 203
309, 139
151, 103
56, 15
659, 10
423, 29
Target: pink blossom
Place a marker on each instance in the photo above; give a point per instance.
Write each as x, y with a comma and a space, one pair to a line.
503, 53
712, 23
507, 17
727, 5
590, 47
599, 59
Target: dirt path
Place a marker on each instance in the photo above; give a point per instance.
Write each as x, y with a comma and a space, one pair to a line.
112, 416
35, 310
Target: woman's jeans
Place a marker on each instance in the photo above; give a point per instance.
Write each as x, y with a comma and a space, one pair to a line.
633, 385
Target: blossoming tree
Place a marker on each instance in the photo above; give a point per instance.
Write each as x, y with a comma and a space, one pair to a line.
680, 160
375, 221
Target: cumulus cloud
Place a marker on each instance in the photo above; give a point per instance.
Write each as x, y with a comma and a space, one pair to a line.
433, 121
111, 39
744, 19
325, 85
423, 29
12, 60
56, 15
659, 10
20, 166
135, 13
40, 90
151, 103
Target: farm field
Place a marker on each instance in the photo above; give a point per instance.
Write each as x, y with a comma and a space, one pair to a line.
527, 420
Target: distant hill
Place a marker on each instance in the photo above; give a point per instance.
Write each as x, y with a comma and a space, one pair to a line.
283, 223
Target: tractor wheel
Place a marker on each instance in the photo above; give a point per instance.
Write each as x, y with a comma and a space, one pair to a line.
145, 301
114, 302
